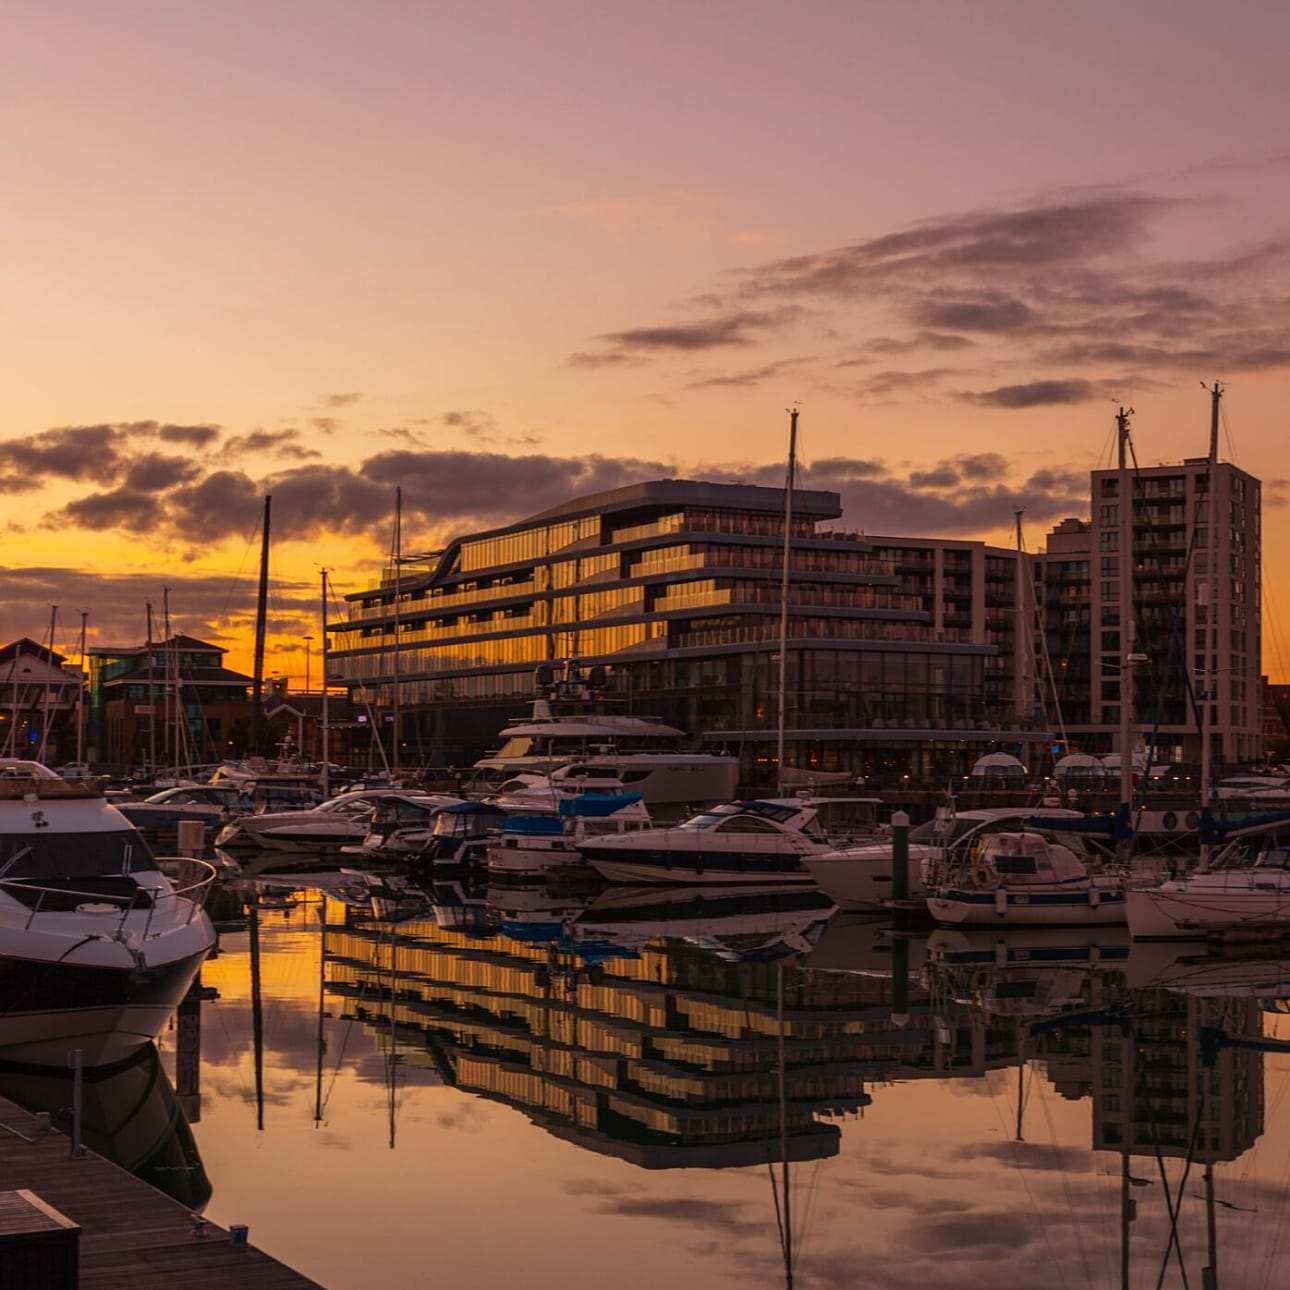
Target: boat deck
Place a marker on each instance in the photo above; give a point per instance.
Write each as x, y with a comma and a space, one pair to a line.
132, 1237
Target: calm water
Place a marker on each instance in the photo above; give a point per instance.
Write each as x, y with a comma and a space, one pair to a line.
531, 1092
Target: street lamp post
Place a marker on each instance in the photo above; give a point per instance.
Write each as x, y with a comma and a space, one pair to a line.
308, 642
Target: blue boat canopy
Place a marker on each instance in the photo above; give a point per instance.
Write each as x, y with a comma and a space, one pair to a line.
595, 805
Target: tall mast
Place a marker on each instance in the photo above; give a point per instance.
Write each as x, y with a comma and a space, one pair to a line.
44, 722
80, 697
782, 710
152, 703
1209, 600
1127, 616
398, 589
1024, 688
326, 732
261, 617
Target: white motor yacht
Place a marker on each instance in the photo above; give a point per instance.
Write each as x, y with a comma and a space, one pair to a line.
570, 725
92, 932
1237, 896
738, 842
340, 821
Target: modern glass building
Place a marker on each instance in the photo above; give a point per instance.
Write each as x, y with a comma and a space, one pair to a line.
1183, 632
897, 655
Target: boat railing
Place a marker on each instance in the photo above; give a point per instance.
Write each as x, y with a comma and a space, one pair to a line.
195, 876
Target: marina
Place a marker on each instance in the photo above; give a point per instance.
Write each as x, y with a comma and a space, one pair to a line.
935, 1124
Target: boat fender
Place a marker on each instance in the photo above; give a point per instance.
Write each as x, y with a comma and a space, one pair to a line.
1094, 898
1000, 901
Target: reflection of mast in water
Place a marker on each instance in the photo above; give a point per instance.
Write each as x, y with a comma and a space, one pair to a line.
392, 1053
257, 1012
783, 1212
321, 1039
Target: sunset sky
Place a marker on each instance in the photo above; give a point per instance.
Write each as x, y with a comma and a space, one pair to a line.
503, 253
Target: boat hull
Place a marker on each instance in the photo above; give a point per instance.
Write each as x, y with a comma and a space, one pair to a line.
861, 880
1161, 913
48, 1011
717, 871
1001, 907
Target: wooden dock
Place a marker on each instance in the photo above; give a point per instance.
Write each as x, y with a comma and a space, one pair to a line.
132, 1237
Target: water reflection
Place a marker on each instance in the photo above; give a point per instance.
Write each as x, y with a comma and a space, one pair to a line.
956, 1105
129, 1114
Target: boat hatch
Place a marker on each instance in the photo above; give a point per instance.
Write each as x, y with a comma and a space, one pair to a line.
1015, 865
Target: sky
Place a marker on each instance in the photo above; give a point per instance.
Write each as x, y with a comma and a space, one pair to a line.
501, 254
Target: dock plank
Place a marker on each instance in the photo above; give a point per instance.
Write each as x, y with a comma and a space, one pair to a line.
132, 1236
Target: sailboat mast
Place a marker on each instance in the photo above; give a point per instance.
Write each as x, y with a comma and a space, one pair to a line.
1024, 684
80, 697
44, 723
398, 595
152, 702
326, 732
261, 617
167, 653
1127, 616
782, 710
1209, 600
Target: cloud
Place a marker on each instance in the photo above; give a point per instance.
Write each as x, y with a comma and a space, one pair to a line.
1079, 280
340, 400
200, 436
1036, 394
155, 472
994, 312
708, 333
749, 377
882, 384
79, 453
275, 443
131, 509
920, 340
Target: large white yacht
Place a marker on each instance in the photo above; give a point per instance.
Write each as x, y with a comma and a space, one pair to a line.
735, 843
92, 933
570, 726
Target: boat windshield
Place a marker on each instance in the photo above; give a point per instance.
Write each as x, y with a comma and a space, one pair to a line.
74, 855
1274, 858
937, 832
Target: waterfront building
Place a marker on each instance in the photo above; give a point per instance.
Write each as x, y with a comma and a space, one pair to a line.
1180, 637
168, 703
40, 696
897, 664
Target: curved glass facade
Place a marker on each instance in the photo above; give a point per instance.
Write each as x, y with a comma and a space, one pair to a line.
676, 587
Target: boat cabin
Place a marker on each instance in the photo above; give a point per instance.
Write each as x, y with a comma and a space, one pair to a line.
1029, 857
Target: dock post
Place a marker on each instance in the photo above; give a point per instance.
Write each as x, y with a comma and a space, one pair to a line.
78, 1103
899, 857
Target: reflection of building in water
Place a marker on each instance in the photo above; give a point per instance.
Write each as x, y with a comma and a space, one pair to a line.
1153, 1085
669, 1057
